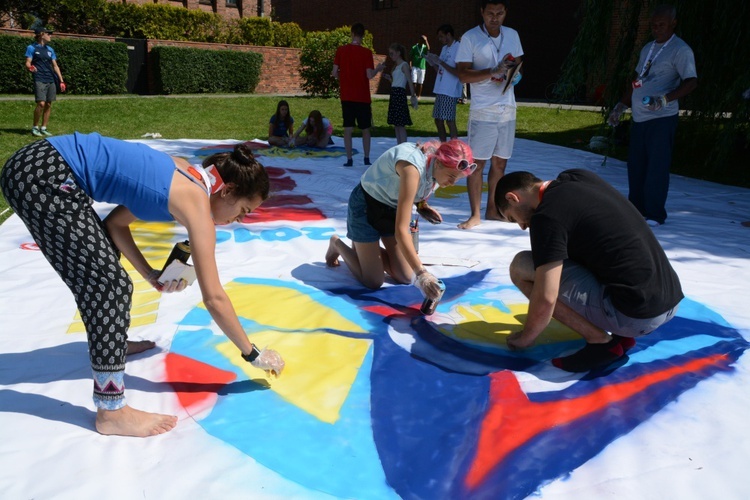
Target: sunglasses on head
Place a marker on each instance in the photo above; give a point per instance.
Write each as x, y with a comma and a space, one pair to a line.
466, 167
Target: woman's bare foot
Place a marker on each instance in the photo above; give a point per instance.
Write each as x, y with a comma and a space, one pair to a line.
332, 255
492, 215
134, 347
128, 421
471, 222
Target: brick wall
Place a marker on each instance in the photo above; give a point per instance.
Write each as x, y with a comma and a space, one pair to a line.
279, 72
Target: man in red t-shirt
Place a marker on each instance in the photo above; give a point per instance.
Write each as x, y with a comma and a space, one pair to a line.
354, 67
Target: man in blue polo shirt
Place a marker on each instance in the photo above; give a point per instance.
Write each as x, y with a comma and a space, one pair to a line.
41, 60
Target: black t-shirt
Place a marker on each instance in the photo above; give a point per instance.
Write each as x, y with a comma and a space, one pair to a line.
584, 219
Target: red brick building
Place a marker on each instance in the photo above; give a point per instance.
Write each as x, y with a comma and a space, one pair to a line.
547, 29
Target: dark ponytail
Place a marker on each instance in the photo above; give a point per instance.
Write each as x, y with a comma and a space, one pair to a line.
241, 169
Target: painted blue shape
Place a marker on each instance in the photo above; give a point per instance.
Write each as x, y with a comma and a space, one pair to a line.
243, 235
280, 234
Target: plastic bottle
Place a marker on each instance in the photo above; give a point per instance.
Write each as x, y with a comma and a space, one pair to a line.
414, 229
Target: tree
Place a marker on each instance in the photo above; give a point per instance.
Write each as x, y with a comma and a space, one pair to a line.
719, 118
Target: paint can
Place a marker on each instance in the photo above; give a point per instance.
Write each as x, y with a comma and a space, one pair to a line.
181, 252
429, 305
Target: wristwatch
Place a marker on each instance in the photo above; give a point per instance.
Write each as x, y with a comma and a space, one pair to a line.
253, 354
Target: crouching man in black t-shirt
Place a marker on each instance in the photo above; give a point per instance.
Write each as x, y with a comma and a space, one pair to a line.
594, 265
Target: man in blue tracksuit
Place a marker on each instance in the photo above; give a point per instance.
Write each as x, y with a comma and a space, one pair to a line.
41, 60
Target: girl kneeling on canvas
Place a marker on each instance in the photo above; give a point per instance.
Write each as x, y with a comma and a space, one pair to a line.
318, 131
380, 210
50, 185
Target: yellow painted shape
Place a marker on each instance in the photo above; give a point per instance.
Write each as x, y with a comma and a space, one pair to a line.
320, 368
285, 308
488, 325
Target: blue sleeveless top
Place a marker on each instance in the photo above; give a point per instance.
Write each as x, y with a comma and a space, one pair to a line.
125, 173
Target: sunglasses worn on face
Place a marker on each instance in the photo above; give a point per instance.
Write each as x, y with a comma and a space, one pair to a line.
466, 167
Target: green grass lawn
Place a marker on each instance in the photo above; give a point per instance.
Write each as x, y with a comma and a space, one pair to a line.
246, 117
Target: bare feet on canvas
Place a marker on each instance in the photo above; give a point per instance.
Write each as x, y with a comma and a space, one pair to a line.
332, 255
136, 346
471, 222
492, 215
128, 421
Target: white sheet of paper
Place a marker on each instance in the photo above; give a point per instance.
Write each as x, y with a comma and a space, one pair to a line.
176, 270
447, 261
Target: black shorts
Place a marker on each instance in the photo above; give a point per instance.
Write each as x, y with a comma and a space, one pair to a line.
357, 112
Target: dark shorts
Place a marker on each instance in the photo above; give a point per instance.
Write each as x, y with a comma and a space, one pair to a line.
46, 92
368, 220
359, 113
583, 293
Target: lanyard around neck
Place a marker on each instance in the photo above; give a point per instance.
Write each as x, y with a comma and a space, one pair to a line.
498, 48
649, 62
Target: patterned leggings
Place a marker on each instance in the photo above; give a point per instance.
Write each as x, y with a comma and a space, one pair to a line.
40, 187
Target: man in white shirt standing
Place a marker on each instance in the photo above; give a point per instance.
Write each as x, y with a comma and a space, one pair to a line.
447, 88
485, 56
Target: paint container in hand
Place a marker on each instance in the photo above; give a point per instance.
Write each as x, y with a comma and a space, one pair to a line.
181, 252
429, 305
414, 229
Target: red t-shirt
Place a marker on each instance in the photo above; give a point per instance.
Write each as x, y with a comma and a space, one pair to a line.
353, 62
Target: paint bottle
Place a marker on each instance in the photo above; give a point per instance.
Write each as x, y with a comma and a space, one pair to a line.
414, 229
429, 305
181, 252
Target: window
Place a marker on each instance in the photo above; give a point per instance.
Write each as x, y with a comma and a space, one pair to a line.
383, 4
231, 3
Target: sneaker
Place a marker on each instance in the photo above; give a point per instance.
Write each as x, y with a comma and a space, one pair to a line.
36, 131
349, 163
367, 160
592, 356
653, 223
45, 132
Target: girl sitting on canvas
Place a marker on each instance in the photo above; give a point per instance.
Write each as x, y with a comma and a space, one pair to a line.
281, 126
318, 131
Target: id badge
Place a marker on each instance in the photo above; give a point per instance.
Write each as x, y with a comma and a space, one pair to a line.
637, 84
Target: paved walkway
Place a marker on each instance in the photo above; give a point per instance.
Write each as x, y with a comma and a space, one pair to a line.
521, 102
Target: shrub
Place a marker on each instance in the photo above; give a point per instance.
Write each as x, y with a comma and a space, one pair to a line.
316, 60
287, 35
180, 70
88, 66
163, 22
255, 31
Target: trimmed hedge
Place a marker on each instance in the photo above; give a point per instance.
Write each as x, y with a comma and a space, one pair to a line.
88, 66
180, 70
161, 22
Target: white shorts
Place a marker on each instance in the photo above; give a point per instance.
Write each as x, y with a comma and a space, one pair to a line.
488, 139
417, 75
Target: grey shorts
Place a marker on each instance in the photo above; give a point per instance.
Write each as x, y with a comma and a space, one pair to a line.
583, 293
46, 92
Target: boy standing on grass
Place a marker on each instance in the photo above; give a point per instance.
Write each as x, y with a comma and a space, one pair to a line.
41, 60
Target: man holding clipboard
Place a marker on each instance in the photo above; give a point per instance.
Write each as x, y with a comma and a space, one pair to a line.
489, 58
